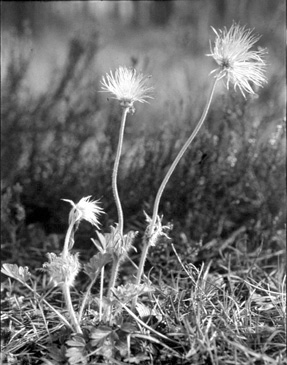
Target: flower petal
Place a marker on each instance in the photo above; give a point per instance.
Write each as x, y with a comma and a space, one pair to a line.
127, 86
237, 62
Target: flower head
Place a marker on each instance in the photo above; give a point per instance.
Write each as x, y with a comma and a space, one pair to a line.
85, 209
237, 62
62, 269
127, 86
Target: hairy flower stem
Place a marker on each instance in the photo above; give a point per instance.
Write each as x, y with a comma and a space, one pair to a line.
114, 274
179, 156
67, 240
81, 311
140, 269
115, 171
116, 260
67, 296
165, 181
101, 293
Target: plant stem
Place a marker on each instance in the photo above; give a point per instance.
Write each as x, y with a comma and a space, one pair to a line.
67, 296
86, 298
67, 240
115, 171
163, 185
140, 269
114, 274
101, 293
179, 156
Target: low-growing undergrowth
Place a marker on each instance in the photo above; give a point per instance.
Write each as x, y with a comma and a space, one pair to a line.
233, 315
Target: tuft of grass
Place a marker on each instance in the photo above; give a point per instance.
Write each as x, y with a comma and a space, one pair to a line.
235, 314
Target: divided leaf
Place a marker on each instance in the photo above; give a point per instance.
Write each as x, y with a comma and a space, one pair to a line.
145, 311
128, 291
100, 334
94, 266
137, 359
76, 341
57, 354
20, 273
76, 355
77, 352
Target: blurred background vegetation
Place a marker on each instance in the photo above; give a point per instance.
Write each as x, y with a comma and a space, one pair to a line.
59, 134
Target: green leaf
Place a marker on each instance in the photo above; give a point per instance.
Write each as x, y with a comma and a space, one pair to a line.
57, 354
19, 273
107, 349
128, 291
129, 327
145, 311
137, 359
100, 334
94, 266
76, 355
76, 341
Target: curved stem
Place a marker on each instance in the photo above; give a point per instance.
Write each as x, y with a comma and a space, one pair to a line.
163, 185
67, 240
69, 304
179, 156
115, 171
114, 274
140, 269
101, 293
86, 298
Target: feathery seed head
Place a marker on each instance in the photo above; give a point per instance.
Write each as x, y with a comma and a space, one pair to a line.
127, 86
62, 269
237, 62
85, 209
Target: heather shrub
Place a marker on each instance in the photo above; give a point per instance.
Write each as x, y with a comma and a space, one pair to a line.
46, 135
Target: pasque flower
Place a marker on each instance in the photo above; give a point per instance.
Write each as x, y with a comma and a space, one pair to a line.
86, 209
63, 270
241, 65
127, 86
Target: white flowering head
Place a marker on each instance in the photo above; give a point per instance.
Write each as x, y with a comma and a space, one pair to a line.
86, 209
237, 62
127, 86
62, 270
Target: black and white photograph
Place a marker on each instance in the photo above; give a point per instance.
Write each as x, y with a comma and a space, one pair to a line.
143, 182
